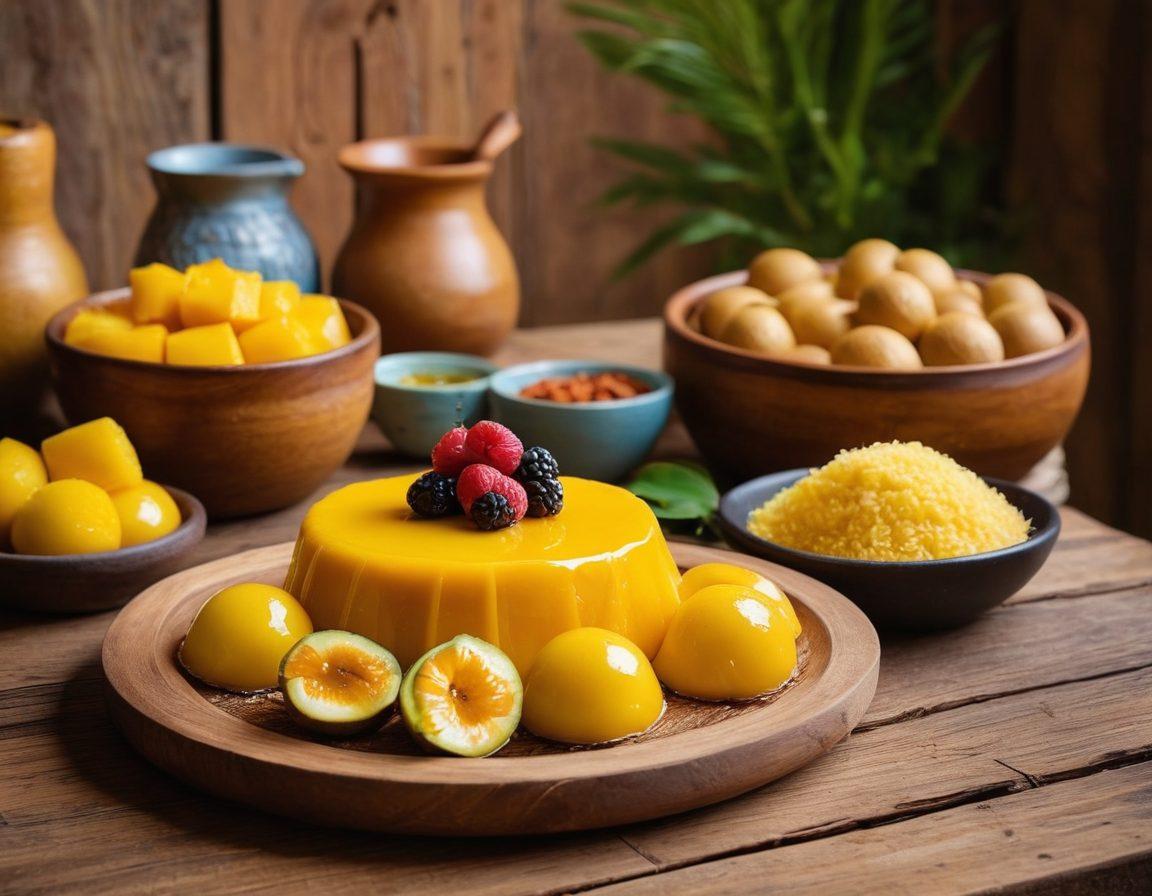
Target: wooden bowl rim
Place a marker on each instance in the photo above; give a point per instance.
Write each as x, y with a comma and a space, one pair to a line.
185, 536
678, 307
1035, 540
54, 336
171, 701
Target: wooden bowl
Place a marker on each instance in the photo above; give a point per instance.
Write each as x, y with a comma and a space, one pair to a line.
242, 439
88, 583
918, 596
750, 414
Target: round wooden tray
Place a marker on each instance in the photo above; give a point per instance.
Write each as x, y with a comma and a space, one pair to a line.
245, 749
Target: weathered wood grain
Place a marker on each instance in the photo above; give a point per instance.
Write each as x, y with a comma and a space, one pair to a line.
984, 847
116, 80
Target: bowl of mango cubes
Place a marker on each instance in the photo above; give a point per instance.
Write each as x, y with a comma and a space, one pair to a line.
81, 528
242, 391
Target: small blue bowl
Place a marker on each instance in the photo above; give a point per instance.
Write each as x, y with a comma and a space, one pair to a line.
918, 596
415, 417
597, 439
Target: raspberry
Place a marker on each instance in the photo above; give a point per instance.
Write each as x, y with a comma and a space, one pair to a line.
492, 511
474, 481
496, 445
433, 495
514, 492
537, 463
450, 456
545, 496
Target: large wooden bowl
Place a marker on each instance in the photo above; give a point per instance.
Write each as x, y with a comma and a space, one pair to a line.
750, 414
243, 439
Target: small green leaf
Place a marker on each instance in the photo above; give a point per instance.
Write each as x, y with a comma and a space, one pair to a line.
676, 491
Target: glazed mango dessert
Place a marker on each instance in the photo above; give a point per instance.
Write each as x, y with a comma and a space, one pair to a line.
210, 315
84, 492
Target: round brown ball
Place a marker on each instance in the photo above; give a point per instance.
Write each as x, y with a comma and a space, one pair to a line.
864, 262
876, 346
810, 292
1006, 289
960, 338
822, 323
957, 300
776, 270
759, 328
1025, 328
807, 354
972, 288
719, 307
929, 267
899, 301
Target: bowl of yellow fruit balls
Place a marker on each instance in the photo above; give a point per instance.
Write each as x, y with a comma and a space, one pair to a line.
781, 365
81, 529
242, 391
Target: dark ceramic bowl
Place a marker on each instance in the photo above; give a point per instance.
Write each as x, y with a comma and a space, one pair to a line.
928, 595
88, 583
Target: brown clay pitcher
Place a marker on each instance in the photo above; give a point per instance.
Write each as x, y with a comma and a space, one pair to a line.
423, 254
40, 272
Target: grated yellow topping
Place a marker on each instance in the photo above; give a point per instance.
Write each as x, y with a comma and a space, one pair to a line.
891, 501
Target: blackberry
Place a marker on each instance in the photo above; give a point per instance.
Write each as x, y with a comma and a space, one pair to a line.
492, 511
432, 495
536, 463
545, 497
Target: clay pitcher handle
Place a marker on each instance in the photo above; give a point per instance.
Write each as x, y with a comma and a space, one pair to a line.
500, 133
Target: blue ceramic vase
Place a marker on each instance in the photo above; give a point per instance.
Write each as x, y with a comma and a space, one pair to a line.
222, 200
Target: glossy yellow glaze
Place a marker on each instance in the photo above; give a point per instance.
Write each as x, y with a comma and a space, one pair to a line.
278, 297
146, 512
241, 634
69, 516
21, 474
364, 564
590, 686
700, 577
97, 451
325, 321
215, 293
213, 345
277, 339
156, 292
726, 643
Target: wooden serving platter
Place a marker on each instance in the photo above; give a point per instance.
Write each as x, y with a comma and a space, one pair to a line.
245, 749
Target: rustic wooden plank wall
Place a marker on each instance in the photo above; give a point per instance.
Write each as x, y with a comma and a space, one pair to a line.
121, 77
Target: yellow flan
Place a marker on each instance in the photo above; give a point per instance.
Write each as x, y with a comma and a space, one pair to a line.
364, 563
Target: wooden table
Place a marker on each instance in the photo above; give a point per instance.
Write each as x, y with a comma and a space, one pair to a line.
1016, 753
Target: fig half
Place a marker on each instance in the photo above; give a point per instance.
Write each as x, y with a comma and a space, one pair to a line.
339, 684
463, 697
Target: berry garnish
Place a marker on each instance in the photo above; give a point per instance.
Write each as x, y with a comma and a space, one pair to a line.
492, 511
494, 444
545, 497
537, 463
450, 456
474, 481
433, 495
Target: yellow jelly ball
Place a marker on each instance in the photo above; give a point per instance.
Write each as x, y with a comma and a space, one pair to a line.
590, 686
146, 512
69, 516
241, 634
21, 474
700, 577
726, 643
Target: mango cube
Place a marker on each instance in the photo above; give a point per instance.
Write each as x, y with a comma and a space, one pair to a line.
22, 473
97, 451
91, 321
213, 345
156, 292
278, 297
325, 321
216, 294
144, 343
277, 339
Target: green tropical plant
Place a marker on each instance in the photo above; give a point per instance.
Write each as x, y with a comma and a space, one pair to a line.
829, 120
